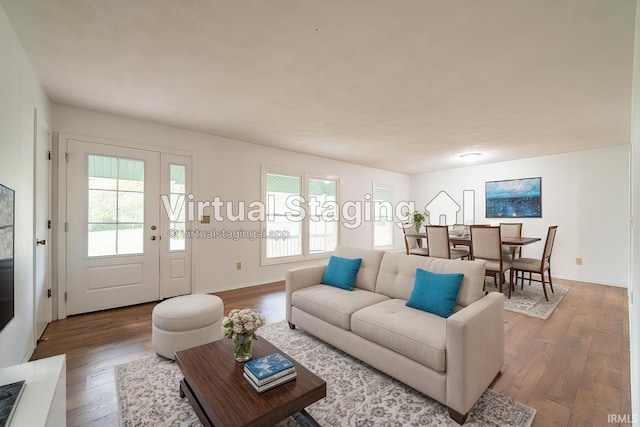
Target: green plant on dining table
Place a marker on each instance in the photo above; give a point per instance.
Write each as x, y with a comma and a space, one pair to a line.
418, 218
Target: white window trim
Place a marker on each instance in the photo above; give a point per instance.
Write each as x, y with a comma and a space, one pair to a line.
305, 255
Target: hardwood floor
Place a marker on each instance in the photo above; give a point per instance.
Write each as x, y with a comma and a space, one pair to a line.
573, 368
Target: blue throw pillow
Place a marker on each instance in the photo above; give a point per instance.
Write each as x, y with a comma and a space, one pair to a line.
435, 293
342, 272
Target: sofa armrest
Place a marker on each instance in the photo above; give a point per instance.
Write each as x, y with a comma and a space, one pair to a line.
475, 350
299, 278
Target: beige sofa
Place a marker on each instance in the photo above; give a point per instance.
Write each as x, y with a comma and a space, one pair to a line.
452, 360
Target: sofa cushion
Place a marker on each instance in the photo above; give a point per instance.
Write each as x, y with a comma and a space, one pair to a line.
334, 305
397, 276
435, 293
416, 334
342, 272
369, 267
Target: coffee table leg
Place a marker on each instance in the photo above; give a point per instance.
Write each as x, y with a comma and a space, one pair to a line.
303, 419
182, 395
185, 389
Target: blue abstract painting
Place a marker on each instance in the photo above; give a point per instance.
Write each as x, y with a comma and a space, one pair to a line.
514, 198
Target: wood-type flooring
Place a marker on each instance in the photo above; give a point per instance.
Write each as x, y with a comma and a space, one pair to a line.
572, 368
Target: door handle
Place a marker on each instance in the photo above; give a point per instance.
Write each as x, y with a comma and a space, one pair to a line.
153, 237
41, 242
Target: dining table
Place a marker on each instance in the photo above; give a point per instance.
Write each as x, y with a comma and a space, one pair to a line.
506, 240
465, 239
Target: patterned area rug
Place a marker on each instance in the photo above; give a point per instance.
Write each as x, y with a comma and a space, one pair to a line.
357, 395
531, 302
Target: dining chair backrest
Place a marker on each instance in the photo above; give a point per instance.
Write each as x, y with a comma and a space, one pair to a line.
511, 229
409, 242
486, 243
438, 241
548, 246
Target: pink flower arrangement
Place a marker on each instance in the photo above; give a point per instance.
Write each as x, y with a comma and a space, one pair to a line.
242, 322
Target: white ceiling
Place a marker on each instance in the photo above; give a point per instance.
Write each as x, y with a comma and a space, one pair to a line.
399, 85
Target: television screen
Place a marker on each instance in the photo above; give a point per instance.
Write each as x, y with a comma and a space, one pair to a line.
7, 204
514, 198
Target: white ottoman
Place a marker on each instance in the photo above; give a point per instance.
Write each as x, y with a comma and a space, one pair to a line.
184, 322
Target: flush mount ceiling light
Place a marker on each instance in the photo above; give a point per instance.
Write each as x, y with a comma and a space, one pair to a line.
470, 157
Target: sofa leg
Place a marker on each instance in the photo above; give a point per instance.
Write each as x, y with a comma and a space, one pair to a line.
457, 416
495, 379
291, 325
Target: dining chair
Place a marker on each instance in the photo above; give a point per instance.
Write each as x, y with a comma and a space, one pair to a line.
538, 266
411, 243
511, 229
486, 244
439, 245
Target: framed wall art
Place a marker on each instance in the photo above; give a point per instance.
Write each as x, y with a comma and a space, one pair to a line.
514, 198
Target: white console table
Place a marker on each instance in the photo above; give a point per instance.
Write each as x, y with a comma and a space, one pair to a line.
44, 399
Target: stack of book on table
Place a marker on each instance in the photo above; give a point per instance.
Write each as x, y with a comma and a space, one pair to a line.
269, 371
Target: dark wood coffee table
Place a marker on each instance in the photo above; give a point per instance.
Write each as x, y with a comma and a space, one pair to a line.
220, 396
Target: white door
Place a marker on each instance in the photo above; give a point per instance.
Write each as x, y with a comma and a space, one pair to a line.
42, 231
113, 235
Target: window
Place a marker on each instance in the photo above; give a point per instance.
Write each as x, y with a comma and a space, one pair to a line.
301, 215
177, 196
323, 220
283, 217
382, 215
115, 206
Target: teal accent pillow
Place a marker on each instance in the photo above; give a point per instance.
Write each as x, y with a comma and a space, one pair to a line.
342, 272
435, 293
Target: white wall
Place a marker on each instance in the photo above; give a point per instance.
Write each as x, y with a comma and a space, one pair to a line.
231, 169
634, 289
585, 193
20, 94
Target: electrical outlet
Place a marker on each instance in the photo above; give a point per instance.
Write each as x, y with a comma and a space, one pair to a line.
238, 266
578, 261
206, 219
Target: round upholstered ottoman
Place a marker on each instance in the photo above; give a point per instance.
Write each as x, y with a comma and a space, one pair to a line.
184, 322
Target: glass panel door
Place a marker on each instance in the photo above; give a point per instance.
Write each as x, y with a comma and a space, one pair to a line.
113, 239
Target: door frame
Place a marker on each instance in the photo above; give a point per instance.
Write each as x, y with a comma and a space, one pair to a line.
39, 121
60, 207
